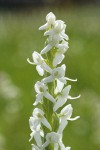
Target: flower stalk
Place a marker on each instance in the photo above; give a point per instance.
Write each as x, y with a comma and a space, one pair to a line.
51, 116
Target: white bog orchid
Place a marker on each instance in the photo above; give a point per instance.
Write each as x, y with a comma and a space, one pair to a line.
57, 74
39, 61
62, 98
38, 118
41, 90
52, 92
65, 115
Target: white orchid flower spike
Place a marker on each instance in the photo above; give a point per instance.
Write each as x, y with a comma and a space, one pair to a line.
52, 92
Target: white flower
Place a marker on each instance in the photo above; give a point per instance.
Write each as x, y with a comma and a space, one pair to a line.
39, 61
54, 138
50, 18
41, 90
65, 115
35, 125
62, 97
58, 74
38, 118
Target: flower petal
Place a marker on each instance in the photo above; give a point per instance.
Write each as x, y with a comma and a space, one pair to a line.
67, 111
38, 98
58, 58
32, 63
31, 136
75, 118
45, 26
63, 79
67, 148
62, 146
37, 58
59, 103
49, 32
50, 18
63, 46
65, 36
46, 67
53, 137
37, 111
46, 49
37, 138
72, 98
59, 87
62, 125
74, 80
56, 146
65, 91
46, 123
47, 79
33, 122
40, 70
45, 145
34, 147
50, 97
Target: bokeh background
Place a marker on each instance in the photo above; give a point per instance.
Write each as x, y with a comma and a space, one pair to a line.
19, 37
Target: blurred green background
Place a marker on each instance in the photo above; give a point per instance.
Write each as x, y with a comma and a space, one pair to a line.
19, 37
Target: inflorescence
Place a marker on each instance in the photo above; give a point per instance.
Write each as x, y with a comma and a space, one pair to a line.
51, 114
